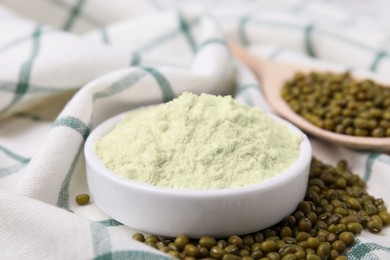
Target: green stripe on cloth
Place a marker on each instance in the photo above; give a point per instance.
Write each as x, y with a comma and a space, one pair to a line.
110, 222
63, 196
135, 59
244, 20
12, 86
186, 29
105, 37
378, 58
22, 39
32, 117
243, 92
241, 30
136, 254
212, 41
158, 41
85, 17
121, 84
101, 240
74, 13
369, 162
308, 41
245, 87
346, 40
361, 250
366, 250
375, 246
8, 86
168, 36
73, 123
278, 24
13, 155
274, 54
25, 71
15, 42
9, 170
164, 84
299, 27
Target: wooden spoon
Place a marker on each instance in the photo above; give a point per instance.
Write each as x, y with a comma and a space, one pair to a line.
273, 75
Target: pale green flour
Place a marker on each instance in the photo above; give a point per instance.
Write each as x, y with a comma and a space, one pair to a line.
198, 142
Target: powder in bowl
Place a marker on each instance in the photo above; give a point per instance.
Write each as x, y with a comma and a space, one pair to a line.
199, 143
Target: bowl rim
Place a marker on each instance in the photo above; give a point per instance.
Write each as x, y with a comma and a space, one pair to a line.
294, 170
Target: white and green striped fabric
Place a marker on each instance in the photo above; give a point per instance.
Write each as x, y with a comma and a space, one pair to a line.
67, 65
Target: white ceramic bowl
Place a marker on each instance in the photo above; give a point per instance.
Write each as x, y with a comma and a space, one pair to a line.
219, 213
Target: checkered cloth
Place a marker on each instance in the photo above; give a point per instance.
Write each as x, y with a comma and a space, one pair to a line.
67, 65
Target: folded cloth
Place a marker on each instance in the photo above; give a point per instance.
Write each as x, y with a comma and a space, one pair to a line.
65, 66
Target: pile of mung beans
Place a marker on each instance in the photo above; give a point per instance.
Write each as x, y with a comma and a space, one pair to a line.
335, 209
339, 103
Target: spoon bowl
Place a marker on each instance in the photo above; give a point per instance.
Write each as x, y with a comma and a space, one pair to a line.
273, 75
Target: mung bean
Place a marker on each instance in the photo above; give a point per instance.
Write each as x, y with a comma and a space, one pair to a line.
345, 105
336, 208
